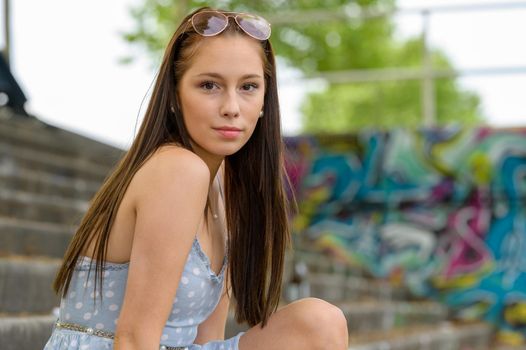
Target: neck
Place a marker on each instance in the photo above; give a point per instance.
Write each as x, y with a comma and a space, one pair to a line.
214, 195
213, 162
213, 170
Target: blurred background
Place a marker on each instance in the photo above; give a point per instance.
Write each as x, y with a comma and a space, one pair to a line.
406, 132
67, 57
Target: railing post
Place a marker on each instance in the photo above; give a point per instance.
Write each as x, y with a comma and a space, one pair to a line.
7, 34
428, 83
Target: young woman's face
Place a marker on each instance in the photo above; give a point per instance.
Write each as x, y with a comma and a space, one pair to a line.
221, 94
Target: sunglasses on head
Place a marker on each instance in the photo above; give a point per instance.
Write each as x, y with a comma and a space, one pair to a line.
210, 23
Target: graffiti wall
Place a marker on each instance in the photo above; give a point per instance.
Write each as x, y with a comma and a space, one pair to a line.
441, 211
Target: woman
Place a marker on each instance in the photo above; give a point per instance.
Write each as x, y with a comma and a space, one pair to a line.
195, 213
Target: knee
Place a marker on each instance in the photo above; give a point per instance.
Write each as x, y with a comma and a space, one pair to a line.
323, 323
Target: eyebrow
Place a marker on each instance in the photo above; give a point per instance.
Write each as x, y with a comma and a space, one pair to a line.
219, 76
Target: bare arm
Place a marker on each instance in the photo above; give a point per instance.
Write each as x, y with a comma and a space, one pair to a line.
170, 193
213, 328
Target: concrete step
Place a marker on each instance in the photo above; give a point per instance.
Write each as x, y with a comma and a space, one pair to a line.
372, 315
317, 261
36, 207
29, 332
48, 184
336, 287
17, 159
34, 238
25, 284
443, 336
36, 134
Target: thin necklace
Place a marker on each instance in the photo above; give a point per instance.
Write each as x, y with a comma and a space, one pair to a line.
214, 215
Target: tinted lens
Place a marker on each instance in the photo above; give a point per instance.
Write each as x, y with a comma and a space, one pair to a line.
255, 26
209, 23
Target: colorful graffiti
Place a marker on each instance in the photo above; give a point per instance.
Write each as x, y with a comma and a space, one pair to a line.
440, 210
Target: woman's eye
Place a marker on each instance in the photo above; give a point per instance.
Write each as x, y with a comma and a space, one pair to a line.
208, 85
250, 86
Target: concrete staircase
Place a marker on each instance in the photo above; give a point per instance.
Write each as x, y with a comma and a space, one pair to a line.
381, 316
47, 177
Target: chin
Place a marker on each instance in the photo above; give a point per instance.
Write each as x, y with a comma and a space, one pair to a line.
226, 153
228, 150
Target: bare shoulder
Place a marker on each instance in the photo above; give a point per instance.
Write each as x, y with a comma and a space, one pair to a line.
172, 155
170, 167
169, 196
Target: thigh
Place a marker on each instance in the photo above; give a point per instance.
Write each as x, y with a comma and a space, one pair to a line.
308, 323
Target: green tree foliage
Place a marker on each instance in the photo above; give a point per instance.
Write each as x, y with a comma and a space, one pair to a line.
337, 45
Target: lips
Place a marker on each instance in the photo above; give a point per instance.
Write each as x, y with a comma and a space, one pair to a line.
229, 132
228, 128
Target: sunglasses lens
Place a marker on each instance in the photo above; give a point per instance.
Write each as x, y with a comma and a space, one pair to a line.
254, 26
209, 23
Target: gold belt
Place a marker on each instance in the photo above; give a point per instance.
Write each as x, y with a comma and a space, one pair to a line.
103, 334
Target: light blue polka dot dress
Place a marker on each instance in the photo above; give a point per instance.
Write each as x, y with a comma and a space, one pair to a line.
197, 296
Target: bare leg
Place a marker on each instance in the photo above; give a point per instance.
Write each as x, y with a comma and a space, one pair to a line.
306, 324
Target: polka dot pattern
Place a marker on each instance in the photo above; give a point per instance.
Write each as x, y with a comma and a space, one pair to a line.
99, 306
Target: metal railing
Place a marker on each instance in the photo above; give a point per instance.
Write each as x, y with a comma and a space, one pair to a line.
427, 74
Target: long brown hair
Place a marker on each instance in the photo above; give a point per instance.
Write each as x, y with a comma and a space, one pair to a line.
255, 199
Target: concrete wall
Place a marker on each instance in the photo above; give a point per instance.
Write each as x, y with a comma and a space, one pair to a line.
439, 210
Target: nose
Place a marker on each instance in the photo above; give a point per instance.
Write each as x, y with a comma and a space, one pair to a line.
230, 105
